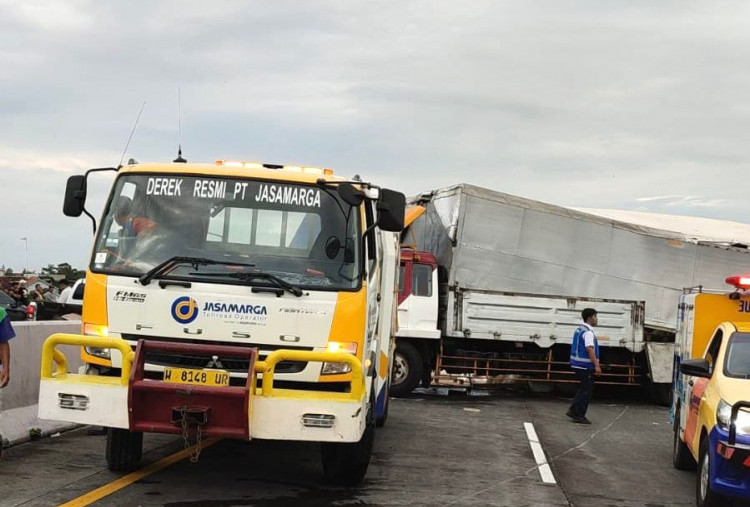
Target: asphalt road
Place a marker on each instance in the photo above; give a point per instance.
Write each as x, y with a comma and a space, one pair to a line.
434, 450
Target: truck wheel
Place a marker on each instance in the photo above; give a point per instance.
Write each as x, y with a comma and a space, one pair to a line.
704, 495
407, 369
346, 464
124, 449
681, 457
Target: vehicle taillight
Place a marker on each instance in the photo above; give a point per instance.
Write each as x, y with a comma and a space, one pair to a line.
739, 281
31, 311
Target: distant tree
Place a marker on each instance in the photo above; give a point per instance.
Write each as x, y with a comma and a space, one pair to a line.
9, 271
61, 271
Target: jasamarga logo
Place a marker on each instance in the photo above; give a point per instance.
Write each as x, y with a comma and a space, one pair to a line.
238, 311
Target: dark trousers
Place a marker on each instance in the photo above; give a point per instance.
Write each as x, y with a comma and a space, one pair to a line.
581, 402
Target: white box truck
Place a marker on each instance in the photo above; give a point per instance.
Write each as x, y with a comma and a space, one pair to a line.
492, 286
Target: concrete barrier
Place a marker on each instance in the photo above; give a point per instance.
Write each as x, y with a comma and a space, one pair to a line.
18, 419
25, 359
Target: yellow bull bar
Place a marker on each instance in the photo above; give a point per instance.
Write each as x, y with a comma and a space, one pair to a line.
50, 355
267, 366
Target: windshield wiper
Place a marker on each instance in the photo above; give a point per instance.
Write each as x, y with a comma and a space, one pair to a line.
254, 275
172, 262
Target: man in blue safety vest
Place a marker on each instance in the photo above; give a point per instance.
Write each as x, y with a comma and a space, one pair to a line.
584, 359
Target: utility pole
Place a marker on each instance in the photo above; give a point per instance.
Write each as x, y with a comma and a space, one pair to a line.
26, 243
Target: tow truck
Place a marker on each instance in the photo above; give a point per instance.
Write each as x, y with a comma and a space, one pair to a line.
711, 392
236, 299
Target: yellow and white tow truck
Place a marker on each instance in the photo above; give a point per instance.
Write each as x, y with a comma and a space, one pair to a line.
711, 392
235, 299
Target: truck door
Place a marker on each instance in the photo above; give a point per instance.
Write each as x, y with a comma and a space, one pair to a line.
373, 275
696, 386
404, 291
422, 310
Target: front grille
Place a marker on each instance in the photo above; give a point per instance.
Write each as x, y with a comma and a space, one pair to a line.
232, 364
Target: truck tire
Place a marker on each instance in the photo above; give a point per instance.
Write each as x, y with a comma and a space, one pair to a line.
346, 464
704, 495
124, 449
407, 369
681, 457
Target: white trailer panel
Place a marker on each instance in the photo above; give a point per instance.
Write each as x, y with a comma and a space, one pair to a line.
546, 320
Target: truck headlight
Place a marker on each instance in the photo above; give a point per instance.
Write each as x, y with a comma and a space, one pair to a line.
96, 330
339, 368
724, 418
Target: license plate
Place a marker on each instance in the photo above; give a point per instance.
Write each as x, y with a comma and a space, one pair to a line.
196, 377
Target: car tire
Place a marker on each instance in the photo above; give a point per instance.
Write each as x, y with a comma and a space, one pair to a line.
704, 495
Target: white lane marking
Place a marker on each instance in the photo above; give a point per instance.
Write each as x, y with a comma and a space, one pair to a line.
544, 470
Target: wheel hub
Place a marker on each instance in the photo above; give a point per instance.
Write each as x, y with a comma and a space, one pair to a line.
400, 369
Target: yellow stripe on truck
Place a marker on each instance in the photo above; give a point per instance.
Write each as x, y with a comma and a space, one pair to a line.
348, 325
94, 311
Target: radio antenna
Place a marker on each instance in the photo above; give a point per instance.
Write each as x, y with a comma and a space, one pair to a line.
179, 158
131, 134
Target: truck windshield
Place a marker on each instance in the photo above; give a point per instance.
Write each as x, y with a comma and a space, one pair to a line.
737, 363
302, 234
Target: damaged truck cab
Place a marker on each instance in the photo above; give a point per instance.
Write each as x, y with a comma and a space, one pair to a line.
237, 300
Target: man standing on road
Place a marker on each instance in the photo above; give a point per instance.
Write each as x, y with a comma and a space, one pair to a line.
584, 359
6, 333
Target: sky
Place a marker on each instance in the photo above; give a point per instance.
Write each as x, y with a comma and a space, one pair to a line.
637, 105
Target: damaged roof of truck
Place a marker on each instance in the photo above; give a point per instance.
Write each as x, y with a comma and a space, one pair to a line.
231, 168
706, 231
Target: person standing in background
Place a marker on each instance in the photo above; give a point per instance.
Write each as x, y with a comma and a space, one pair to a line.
584, 359
65, 292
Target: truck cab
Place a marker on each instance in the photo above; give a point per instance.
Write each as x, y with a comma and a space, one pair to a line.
236, 299
711, 393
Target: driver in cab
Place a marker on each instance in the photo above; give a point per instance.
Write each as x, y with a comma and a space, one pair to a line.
133, 225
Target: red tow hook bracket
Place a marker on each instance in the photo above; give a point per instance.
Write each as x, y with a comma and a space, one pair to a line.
158, 406
193, 416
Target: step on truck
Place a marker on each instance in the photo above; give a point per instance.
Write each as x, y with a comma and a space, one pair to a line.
711, 392
493, 286
236, 299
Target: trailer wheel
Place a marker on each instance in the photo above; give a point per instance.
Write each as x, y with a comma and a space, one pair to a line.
124, 449
681, 457
407, 369
346, 464
704, 495
660, 393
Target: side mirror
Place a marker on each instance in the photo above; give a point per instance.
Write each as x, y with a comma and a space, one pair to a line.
391, 207
75, 196
350, 195
695, 367
333, 246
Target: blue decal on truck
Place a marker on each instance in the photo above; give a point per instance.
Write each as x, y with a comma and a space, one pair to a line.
184, 310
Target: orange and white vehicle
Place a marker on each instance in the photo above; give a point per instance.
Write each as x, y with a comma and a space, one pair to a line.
711, 392
242, 300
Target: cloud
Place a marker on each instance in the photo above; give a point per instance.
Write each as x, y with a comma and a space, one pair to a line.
590, 104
